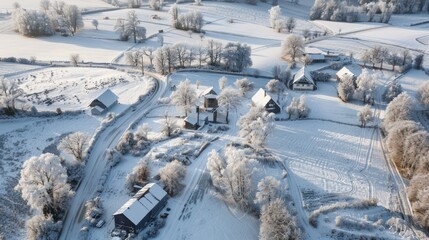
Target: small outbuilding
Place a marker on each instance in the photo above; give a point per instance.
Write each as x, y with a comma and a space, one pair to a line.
103, 102
210, 98
315, 54
139, 211
263, 99
350, 70
195, 120
302, 80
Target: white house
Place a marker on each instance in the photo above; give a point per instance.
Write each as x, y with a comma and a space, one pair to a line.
261, 98
350, 70
103, 102
302, 80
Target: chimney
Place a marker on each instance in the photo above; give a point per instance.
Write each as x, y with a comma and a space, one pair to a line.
198, 115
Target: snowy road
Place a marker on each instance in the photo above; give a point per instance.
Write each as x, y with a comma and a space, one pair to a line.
97, 161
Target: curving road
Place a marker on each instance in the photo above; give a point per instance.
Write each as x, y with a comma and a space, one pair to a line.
97, 161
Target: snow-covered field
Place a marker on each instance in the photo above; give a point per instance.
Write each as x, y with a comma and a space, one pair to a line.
75, 88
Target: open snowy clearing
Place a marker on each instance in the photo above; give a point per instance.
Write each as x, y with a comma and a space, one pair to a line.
75, 88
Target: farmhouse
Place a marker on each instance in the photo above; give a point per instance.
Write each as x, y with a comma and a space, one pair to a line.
261, 98
103, 102
302, 80
135, 214
350, 70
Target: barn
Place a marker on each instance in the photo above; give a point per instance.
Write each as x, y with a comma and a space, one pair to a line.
261, 98
302, 80
210, 98
139, 211
103, 102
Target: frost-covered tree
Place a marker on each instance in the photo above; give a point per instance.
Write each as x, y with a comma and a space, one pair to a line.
398, 109
95, 23
365, 115
172, 175
392, 90
131, 25
223, 81
43, 185
168, 125
31, 23
93, 210
255, 126
366, 86
244, 85
72, 18
268, 190
346, 88
184, 96
75, 144
418, 194
317, 9
275, 13
156, 4
394, 59
174, 14
396, 138
160, 61
75, 59
237, 180
418, 61
277, 223
230, 100
215, 166
42, 227
423, 95
306, 33
192, 21
236, 56
10, 92
416, 149
120, 28
214, 52
275, 86
139, 176
149, 53
292, 47
298, 108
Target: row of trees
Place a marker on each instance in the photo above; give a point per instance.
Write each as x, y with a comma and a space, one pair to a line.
279, 24
403, 59
55, 16
408, 145
233, 57
336, 10
186, 21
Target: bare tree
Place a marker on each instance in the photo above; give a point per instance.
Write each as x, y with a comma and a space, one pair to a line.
45, 5
214, 52
184, 96
75, 144
95, 23
229, 99
75, 59
293, 47
365, 115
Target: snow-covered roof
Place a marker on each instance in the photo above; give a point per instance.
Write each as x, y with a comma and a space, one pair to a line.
352, 70
142, 203
107, 98
313, 50
261, 98
317, 56
303, 72
208, 91
210, 96
192, 118
98, 109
